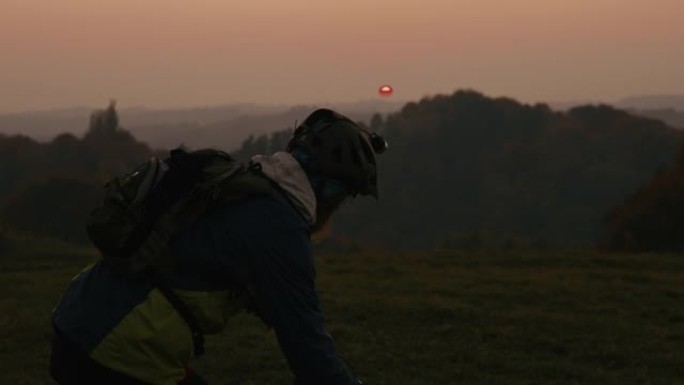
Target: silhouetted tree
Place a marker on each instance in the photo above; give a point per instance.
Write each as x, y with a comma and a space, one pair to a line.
652, 219
104, 123
376, 122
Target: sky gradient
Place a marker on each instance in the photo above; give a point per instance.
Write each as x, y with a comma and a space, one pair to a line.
172, 53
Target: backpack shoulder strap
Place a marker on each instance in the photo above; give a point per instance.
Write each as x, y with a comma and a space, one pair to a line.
185, 313
247, 183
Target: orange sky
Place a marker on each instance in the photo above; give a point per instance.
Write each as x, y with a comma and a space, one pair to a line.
165, 53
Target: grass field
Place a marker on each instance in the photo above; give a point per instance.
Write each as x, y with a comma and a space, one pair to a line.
457, 317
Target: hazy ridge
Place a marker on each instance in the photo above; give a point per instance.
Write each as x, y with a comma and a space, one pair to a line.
226, 126
217, 126
653, 102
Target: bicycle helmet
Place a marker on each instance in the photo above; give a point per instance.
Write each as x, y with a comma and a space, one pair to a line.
339, 149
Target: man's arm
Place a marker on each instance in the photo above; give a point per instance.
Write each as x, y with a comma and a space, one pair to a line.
283, 284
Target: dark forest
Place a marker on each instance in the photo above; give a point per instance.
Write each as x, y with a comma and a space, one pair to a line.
463, 171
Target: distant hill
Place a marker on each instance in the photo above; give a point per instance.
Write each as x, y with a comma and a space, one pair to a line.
220, 126
668, 108
229, 134
570, 104
653, 102
672, 117
45, 125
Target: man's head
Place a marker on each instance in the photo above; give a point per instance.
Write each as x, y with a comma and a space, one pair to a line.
338, 157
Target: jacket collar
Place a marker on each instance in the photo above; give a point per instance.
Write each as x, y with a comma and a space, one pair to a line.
284, 169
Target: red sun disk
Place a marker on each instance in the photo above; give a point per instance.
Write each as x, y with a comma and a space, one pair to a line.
385, 90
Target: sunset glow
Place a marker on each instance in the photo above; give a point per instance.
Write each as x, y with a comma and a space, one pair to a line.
173, 53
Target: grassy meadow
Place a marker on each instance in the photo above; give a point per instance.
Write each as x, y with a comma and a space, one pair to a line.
445, 317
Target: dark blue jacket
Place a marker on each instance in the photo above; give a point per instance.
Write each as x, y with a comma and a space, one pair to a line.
261, 247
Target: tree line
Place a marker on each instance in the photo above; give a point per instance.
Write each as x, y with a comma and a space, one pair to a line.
463, 170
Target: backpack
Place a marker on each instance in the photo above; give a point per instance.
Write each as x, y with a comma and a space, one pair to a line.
145, 209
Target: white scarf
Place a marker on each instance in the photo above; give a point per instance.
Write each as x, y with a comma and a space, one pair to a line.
286, 171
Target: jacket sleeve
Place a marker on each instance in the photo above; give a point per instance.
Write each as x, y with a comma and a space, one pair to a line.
283, 284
